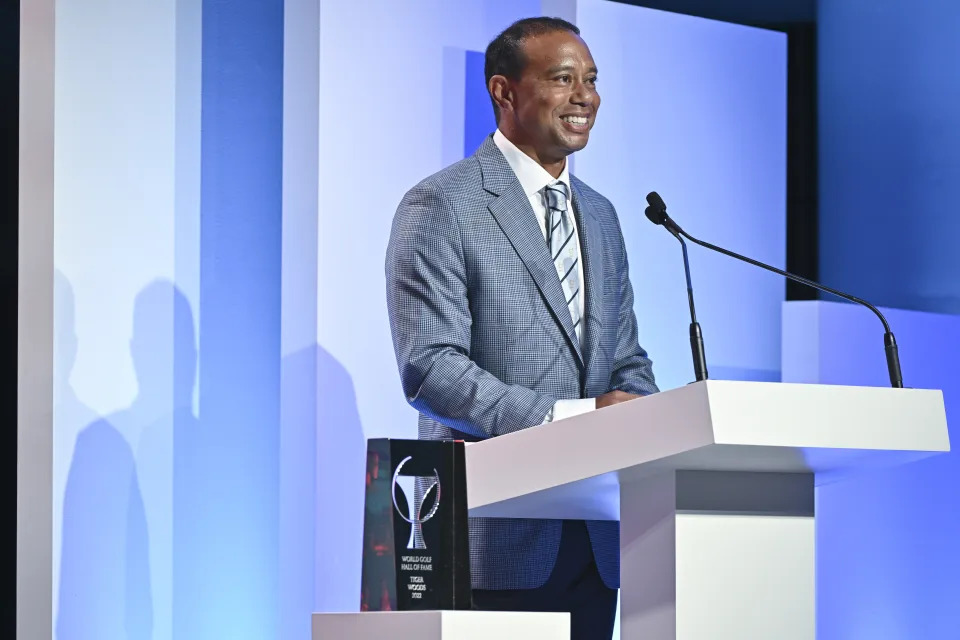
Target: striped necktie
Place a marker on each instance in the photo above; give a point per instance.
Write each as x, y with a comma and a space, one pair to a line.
562, 240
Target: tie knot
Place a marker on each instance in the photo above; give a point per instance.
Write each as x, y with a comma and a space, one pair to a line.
557, 196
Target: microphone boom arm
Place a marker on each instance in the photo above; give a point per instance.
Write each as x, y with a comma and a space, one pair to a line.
889, 341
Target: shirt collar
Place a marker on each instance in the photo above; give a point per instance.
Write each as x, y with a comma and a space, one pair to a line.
533, 178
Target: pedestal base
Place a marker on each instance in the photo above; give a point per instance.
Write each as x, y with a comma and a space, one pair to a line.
441, 625
717, 556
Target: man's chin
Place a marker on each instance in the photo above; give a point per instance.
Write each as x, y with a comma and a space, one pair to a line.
572, 144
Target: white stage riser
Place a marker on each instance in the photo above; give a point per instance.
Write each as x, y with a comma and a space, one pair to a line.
441, 625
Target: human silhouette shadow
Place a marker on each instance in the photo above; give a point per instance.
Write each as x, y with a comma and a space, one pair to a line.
104, 568
163, 349
341, 468
70, 414
104, 589
322, 501
148, 467
116, 581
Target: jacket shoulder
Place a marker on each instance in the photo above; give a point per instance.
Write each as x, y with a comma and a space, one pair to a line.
593, 198
454, 180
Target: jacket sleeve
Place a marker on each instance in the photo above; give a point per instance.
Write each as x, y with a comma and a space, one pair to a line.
632, 368
430, 320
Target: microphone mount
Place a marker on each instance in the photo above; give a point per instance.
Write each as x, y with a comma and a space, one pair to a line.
657, 213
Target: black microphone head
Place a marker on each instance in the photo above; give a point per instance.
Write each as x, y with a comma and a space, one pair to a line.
656, 216
655, 201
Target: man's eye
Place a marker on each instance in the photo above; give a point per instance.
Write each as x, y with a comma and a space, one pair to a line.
592, 81
564, 78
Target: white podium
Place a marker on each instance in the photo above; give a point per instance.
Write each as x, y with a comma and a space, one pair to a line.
714, 486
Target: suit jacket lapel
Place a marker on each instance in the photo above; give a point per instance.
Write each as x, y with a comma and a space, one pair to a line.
591, 250
513, 213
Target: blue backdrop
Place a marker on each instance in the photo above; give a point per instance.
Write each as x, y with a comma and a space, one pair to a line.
889, 186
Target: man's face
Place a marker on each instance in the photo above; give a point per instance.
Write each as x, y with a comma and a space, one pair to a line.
555, 100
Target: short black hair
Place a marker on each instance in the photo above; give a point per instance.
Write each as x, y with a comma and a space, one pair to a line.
505, 55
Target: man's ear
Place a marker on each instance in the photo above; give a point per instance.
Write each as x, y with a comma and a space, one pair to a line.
501, 92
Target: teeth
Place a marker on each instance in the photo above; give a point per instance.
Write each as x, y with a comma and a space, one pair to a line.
575, 119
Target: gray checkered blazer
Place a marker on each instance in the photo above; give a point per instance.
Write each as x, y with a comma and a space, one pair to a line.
485, 343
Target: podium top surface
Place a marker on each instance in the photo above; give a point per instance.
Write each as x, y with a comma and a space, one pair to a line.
714, 425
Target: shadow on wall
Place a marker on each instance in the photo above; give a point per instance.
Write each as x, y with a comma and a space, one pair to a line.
105, 573
116, 579
140, 496
322, 487
119, 486
340, 459
70, 414
160, 419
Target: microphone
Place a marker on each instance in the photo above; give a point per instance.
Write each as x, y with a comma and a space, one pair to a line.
657, 213
696, 337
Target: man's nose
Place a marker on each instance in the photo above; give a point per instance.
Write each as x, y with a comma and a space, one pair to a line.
582, 94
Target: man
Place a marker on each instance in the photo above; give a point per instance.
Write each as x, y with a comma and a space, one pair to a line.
510, 306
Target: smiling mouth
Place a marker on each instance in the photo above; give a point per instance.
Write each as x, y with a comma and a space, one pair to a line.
578, 120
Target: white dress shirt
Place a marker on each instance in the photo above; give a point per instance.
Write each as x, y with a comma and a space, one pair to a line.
533, 178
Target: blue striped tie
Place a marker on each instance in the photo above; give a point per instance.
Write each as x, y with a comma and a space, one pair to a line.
562, 240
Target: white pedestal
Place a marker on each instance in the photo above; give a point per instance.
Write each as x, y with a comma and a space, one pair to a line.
718, 556
441, 625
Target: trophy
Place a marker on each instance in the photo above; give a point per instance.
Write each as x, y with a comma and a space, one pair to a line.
415, 544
